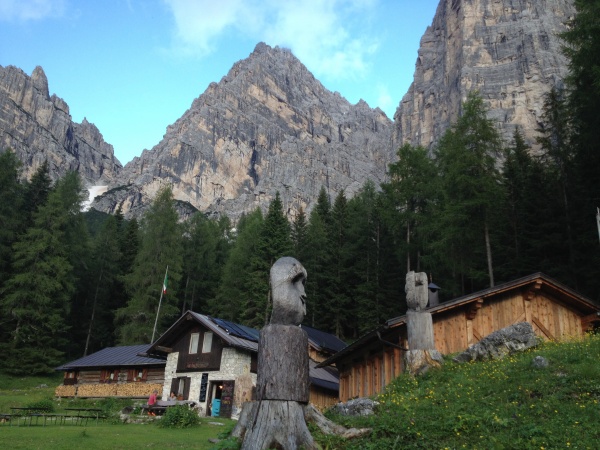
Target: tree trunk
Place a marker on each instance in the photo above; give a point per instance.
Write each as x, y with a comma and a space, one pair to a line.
283, 364
488, 252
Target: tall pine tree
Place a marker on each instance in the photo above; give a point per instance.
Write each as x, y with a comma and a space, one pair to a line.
39, 292
467, 163
161, 246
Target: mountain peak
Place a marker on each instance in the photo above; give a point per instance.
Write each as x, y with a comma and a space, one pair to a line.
40, 81
268, 126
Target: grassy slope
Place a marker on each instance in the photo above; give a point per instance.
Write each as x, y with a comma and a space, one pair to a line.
498, 404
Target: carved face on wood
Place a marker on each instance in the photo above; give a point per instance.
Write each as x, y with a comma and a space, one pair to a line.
416, 290
287, 289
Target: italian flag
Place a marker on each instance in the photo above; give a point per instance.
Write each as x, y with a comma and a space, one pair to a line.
165, 284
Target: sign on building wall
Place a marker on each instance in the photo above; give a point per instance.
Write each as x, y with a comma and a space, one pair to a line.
203, 387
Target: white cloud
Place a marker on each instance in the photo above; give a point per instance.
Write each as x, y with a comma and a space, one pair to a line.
326, 35
25, 10
384, 99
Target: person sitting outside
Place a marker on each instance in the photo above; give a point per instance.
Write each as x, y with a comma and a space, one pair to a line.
172, 397
152, 402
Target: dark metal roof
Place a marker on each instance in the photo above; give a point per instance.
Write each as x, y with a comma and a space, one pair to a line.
324, 341
115, 357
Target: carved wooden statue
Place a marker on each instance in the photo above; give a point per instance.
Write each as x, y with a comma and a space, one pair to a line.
278, 418
287, 287
421, 354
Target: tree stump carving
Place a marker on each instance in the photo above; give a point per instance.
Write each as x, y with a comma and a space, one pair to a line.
277, 419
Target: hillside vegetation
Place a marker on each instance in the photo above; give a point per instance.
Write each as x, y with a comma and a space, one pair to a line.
506, 404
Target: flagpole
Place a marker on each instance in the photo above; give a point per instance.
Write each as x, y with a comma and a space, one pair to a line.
162, 291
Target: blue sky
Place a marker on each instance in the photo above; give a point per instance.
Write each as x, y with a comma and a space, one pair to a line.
133, 67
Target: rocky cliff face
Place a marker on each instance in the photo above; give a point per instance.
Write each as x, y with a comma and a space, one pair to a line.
38, 127
507, 49
267, 126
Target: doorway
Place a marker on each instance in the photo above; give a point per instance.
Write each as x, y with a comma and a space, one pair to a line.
214, 398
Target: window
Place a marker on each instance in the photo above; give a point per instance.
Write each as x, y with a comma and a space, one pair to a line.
207, 342
194, 338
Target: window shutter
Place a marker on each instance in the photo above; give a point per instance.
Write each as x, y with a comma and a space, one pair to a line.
131, 375
174, 385
144, 374
186, 388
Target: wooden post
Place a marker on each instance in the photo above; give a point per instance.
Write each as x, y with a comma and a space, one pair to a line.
283, 364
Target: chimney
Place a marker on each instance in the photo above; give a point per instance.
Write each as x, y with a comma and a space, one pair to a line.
433, 294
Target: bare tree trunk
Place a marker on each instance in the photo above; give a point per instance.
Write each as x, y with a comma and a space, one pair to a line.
488, 252
89, 333
187, 282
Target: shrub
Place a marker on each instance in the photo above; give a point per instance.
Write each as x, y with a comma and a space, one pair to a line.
42, 406
180, 416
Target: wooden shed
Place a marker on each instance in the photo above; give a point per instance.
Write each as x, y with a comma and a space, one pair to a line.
113, 372
554, 310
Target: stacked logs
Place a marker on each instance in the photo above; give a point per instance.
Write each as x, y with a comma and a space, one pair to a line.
108, 390
65, 391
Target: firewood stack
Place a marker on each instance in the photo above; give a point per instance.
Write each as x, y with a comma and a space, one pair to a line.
108, 390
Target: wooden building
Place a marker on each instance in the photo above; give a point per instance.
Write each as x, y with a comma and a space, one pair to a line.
555, 312
113, 372
210, 359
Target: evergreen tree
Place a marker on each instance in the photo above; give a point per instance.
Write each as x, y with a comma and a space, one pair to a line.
241, 286
36, 192
104, 272
274, 241
39, 292
529, 244
407, 199
317, 260
161, 246
11, 200
299, 236
557, 156
338, 312
467, 163
206, 248
582, 47
364, 238
323, 207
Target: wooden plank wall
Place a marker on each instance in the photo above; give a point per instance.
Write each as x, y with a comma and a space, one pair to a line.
322, 398
553, 320
456, 329
372, 375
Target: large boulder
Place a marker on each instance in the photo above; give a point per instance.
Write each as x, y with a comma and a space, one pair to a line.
515, 338
356, 407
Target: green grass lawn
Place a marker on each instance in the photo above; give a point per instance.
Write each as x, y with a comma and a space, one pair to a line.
112, 436
108, 434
